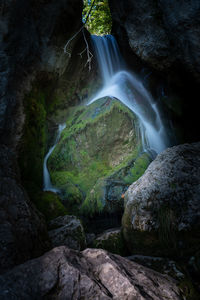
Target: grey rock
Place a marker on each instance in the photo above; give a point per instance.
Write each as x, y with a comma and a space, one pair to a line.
162, 32
166, 200
67, 231
92, 274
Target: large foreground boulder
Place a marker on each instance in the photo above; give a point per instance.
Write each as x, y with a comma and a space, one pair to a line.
162, 208
92, 274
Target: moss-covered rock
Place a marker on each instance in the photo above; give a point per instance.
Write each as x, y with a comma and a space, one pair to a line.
33, 143
50, 205
97, 157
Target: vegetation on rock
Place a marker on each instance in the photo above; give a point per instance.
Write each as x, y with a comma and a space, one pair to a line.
96, 151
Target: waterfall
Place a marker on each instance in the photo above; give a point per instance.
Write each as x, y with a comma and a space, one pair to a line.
128, 88
47, 185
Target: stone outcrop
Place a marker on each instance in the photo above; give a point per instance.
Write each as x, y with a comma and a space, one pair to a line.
97, 157
92, 274
23, 232
162, 208
67, 231
32, 36
170, 34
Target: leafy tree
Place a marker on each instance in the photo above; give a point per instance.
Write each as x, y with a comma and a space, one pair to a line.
99, 21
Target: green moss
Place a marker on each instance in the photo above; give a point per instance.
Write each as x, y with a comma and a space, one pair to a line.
50, 205
33, 143
140, 165
94, 202
99, 142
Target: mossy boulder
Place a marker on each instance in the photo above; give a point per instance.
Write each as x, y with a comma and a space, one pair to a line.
50, 205
162, 207
97, 157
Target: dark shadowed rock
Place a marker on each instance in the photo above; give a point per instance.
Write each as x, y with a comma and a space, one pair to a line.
67, 231
23, 232
170, 34
92, 274
162, 208
111, 240
33, 34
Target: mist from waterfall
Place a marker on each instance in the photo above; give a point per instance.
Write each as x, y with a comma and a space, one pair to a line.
129, 89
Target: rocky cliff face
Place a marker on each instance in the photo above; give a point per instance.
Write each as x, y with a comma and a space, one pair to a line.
164, 36
161, 32
33, 34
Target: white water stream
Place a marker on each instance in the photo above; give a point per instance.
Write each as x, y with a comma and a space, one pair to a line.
47, 185
128, 89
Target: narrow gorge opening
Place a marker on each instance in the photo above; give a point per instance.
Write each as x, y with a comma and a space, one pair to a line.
108, 140
99, 153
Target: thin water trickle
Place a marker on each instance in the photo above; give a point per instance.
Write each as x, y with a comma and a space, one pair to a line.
127, 88
47, 185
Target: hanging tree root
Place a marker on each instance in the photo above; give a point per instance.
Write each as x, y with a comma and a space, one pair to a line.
87, 50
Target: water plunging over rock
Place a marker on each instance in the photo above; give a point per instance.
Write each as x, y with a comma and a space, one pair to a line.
47, 181
127, 88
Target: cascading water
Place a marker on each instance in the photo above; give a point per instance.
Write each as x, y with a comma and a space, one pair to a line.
47, 185
128, 89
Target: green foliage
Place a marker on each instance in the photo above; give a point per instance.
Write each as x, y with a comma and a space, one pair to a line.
50, 205
99, 21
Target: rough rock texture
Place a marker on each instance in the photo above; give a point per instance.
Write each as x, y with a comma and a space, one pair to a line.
161, 40
171, 32
32, 35
23, 232
67, 231
95, 159
162, 208
93, 274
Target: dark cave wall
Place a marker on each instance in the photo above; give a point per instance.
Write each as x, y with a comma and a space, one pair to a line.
32, 37
163, 37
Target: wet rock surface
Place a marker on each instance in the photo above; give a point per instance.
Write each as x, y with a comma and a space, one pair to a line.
67, 231
92, 274
97, 157
162, 207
